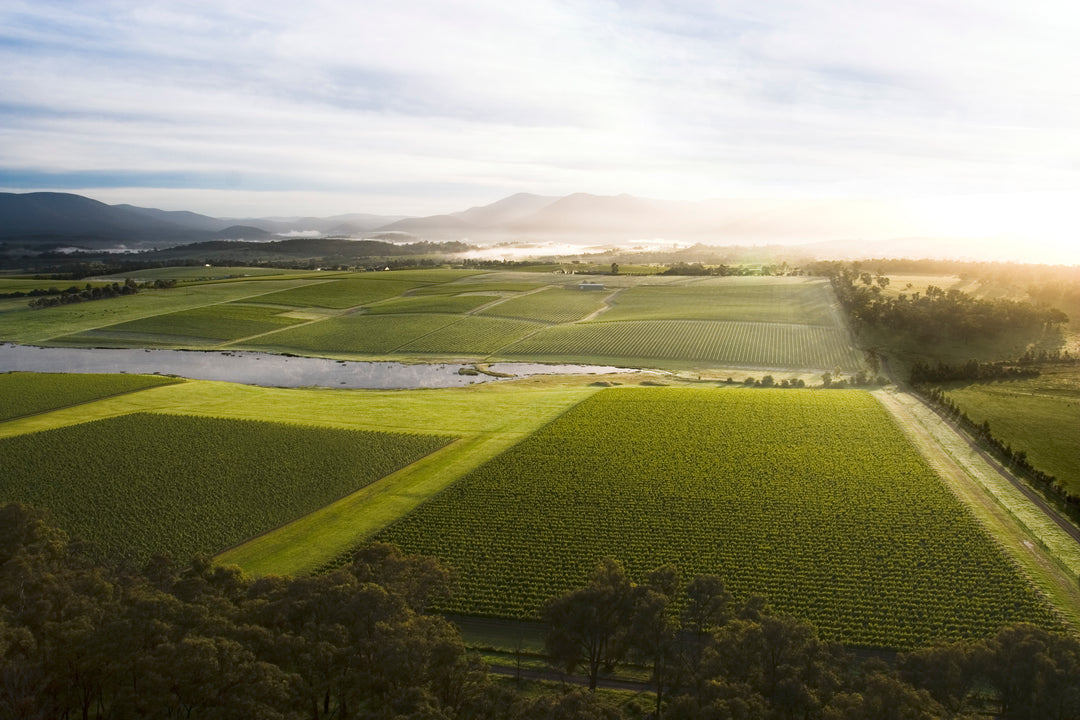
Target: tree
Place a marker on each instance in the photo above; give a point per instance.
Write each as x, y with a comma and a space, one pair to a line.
614, 268
586, 625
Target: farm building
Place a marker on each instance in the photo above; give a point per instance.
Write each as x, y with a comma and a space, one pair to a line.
590, 286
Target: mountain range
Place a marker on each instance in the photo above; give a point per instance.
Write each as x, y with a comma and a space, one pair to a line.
43, 221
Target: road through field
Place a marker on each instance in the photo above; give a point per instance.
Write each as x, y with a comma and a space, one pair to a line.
1049, 554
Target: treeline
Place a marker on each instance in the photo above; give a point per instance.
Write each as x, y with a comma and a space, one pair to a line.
699, 269
1015, 459
711, 657
53, 297
85, 640
936, 314
970, 371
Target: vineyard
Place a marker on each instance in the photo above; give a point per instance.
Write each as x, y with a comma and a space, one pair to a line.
472, 336
554, 305
340, 294
28, 393
782, 300
733, 343
149, 483
813, 499
453, 304
358, 334
209, 324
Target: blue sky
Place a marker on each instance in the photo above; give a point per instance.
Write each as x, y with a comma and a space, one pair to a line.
967, 109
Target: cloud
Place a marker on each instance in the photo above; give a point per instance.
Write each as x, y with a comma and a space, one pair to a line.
427, 103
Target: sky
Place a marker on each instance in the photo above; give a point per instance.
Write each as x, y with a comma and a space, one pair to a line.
966, 113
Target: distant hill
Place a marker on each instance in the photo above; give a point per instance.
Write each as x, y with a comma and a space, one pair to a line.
47, 220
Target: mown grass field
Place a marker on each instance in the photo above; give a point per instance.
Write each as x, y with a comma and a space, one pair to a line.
1040, 416
814, 499
141, 484
30, 393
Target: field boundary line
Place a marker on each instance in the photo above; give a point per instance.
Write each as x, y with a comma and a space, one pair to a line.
302, 545
178, 380
38, 341
1017, 539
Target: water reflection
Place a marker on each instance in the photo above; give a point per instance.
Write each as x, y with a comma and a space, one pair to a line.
253, 368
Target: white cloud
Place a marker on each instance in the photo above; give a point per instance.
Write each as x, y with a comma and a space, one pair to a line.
430, 103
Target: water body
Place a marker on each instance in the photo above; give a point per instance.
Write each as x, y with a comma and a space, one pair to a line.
253, 368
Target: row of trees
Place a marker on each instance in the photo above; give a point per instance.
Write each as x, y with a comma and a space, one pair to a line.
971, 371
1015, 459
79, 639
714, 658
53, 297
936, 314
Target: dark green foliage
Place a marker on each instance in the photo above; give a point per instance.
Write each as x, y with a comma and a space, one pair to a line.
147, 483
24, 393
82, 639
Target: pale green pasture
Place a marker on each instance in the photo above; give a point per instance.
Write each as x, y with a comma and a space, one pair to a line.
1040, 416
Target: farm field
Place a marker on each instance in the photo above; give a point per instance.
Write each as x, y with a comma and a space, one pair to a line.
30, 393
776, 323
189, 273
814, 499
20, 324
148, 483
1038, 415
750, 299
209, 325
554, 305
489, 418
681, 342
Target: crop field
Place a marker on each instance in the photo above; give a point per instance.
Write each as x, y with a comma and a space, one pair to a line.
13, 285
711, 342
29, 393
210, 324
51, 325
814, 499
148, 483
478, 285
200, 272
1039, 416
472, 335
341, 294
554, 305
454, 304
782, 300
356, 334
